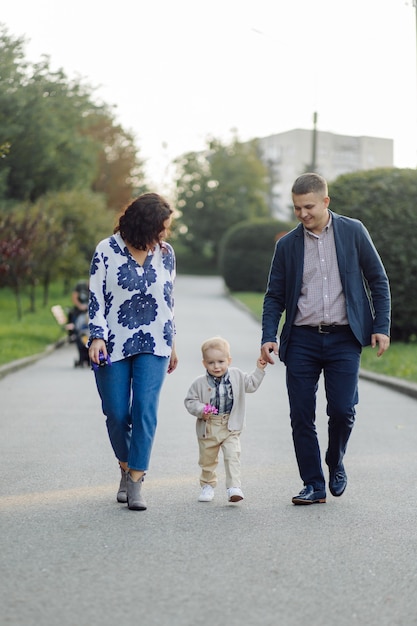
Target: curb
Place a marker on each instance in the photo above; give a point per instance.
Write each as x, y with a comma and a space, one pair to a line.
397, 384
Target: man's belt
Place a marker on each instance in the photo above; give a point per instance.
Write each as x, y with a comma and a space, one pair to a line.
327, 329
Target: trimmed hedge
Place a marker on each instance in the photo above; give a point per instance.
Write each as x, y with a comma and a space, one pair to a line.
385, 201
246, 252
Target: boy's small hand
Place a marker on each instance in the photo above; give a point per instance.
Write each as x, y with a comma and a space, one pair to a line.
261, 363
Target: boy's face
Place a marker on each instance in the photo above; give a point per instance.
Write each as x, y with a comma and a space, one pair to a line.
216, 362
312, 210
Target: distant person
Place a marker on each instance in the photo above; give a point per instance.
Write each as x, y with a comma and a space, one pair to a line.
329, 279
217, 400
80, 296
132, 321
78, 321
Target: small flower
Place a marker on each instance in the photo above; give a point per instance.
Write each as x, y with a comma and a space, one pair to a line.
209, 408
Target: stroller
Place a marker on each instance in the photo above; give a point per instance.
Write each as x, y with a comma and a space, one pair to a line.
77, 330
81, 339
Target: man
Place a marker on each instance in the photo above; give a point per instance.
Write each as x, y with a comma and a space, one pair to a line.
329, 279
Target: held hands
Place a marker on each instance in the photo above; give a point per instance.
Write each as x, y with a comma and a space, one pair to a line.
261, 363
267, 349
383, 342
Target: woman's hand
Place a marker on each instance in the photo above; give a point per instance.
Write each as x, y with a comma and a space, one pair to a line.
97, 346
173, 361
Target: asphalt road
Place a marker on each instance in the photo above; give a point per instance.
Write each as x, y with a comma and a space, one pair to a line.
72, 556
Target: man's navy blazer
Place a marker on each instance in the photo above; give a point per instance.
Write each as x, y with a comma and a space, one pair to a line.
364, 281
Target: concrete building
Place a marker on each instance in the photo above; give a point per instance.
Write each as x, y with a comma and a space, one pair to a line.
289, 154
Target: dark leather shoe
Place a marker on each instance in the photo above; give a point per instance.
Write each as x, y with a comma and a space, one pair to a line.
337, 481
309, 496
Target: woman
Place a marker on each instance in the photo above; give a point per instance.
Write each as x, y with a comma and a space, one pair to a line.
132, 322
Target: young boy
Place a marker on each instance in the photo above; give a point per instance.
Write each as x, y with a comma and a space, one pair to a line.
217, 399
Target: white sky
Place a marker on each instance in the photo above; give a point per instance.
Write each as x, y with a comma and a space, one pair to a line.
179, 71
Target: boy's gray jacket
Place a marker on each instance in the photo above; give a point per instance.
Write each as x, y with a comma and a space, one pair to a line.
200, 391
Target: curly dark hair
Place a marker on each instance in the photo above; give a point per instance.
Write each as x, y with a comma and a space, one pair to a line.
143, 221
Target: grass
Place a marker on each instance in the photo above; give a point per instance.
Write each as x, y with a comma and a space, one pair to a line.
35, 331
399, 361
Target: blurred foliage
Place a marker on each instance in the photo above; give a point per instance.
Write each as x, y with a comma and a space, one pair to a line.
52, 238
216, 189
384, 200
246, 252
55, 136
66, 168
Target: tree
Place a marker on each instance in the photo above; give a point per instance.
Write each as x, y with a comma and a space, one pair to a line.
51, 239
42, 123
119, 168
385, 201
16, 255
215, 190
58, 136
74, 222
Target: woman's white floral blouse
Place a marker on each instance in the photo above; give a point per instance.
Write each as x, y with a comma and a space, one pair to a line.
131, 306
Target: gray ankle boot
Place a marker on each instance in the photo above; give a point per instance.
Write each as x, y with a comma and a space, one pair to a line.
135, 499
122, 493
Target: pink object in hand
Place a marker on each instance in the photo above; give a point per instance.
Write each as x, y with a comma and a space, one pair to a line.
209, 408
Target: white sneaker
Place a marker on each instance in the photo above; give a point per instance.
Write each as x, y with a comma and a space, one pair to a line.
207, 494
234, 494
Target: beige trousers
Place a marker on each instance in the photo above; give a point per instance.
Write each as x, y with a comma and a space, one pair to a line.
219, 436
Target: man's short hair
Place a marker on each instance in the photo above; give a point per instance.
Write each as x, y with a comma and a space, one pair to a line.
310, 183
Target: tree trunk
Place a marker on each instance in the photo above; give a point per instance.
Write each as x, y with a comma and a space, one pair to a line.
32, 298
18, 299
46, 282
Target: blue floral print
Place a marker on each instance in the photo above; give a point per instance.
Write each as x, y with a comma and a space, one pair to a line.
139, 342
168, 259
94, 264
128, 277
110, 343
108, 299
96, 331
131, 305
139, 310
168, 294
93, 305
169, 332
150, 275
115, 246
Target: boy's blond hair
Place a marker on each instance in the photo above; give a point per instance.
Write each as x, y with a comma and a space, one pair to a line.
216, 343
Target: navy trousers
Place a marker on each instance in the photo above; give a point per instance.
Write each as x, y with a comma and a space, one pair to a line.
337, 355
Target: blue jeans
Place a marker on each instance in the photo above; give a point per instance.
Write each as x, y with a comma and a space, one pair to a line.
129, 390
338, 357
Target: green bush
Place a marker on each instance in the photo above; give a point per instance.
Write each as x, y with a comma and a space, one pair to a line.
246, 251
384, 200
